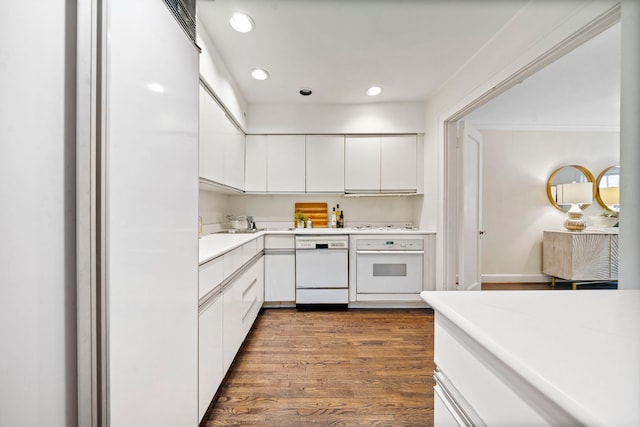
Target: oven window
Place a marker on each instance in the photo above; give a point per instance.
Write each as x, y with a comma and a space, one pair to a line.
389, 270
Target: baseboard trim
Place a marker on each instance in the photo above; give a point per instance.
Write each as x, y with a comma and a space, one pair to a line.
515, 278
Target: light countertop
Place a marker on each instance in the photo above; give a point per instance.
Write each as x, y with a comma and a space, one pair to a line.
216, 244
579, 348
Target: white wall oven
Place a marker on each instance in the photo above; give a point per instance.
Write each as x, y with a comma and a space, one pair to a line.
389, 265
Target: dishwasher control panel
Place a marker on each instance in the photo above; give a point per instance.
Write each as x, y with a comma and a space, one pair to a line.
322, 242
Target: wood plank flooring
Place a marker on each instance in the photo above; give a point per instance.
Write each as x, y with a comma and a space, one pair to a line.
331, 368
335, 368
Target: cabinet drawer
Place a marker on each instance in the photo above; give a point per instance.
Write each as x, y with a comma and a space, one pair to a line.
210, 275
249, 249
279, 242
260, 244
232, 261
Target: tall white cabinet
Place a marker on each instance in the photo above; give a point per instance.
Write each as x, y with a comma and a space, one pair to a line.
151, 215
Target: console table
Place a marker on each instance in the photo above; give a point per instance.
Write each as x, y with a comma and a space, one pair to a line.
589, 255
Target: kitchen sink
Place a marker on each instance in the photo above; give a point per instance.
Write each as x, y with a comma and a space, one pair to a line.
242, 230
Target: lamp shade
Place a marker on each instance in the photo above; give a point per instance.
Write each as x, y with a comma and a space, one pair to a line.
576, 193
610, 195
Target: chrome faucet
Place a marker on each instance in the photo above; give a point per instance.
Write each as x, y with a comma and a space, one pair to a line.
251, 225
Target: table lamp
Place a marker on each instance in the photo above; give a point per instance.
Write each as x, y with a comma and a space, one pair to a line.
610, 196
575, 194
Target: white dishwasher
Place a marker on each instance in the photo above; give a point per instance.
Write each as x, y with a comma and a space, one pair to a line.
322, 269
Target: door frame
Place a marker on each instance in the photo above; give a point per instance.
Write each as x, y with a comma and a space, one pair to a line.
451, 174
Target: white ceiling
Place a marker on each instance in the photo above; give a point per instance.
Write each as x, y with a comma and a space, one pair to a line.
338, 48
580, 91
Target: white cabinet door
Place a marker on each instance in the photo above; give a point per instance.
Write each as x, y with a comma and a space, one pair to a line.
232, 322
398, 163
325, 163
280, 277
286, 163
252, 296
362, 163
242, 300
233, 156
211, 139
221, 157
150, 237
255, 174
210, 363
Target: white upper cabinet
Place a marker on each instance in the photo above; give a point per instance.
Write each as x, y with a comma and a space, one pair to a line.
221, 145
256, 163
380, 163
286, 163
233, 156
325, 163
362, 164
211, 139
398, 160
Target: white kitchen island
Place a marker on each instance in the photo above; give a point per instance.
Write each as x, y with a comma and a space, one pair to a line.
510, 358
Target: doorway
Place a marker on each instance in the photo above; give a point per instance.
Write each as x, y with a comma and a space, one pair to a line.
458, 243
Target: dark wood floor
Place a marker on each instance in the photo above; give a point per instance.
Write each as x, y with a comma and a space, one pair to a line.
335, 368
331, 368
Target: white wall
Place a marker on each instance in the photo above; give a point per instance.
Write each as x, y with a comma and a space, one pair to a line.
630, 148
535, 30
515, 207
398, 117
37, 217
278, 210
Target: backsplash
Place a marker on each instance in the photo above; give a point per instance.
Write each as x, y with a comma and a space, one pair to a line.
277, 210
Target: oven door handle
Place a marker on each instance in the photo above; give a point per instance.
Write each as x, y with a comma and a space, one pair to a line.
401, 252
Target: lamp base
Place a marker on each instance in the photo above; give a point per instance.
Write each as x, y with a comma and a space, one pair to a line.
575, 222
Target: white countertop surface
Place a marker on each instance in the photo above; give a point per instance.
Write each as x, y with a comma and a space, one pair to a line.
579, 348
216, 244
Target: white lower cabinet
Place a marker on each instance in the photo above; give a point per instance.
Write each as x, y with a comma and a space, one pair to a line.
210, 363
242, 301
280, 269
475, 386
226, 316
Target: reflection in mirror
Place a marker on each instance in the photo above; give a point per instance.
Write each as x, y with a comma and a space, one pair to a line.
608, 188
567, 175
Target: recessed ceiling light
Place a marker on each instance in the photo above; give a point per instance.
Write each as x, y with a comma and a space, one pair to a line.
259, 74
374, 90
241, 22
305, 92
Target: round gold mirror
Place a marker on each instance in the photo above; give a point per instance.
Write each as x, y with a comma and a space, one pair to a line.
569, 175
608, 188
